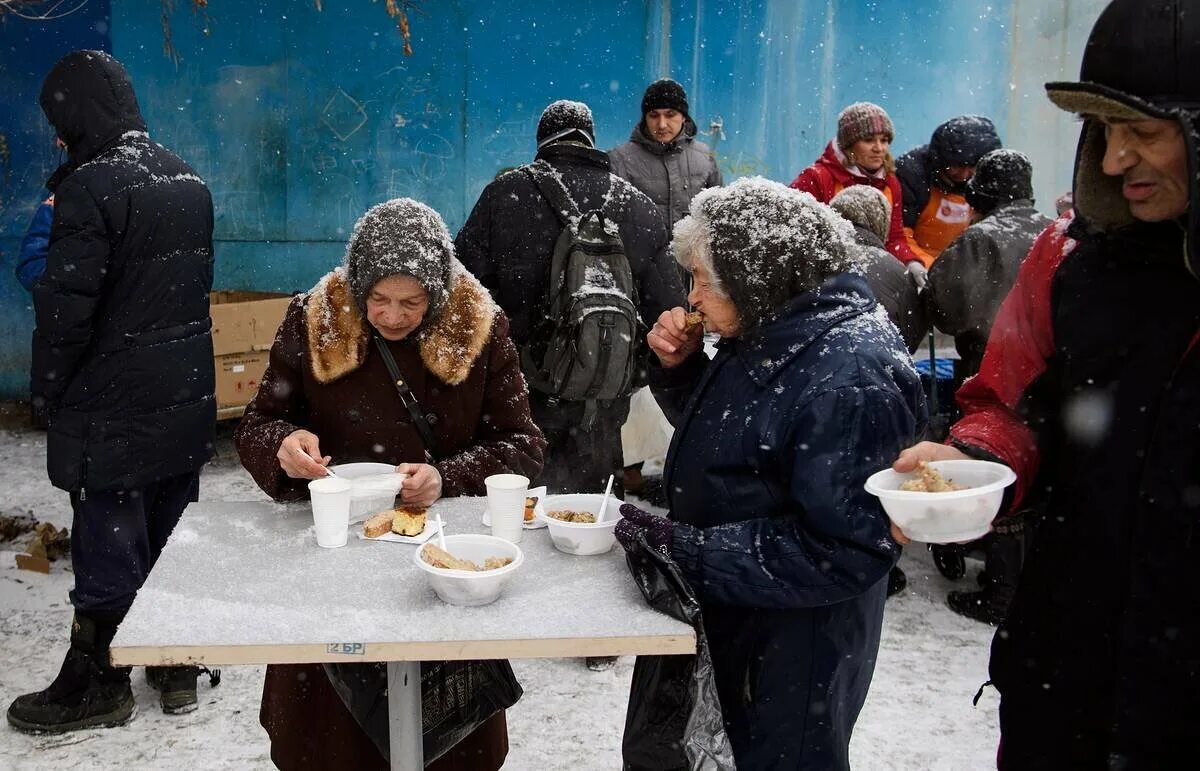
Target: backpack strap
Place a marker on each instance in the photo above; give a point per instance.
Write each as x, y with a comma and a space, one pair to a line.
407, 398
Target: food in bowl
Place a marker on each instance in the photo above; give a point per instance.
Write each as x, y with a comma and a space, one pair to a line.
929, 480
404, 520
580, 517
951, 516
440, 558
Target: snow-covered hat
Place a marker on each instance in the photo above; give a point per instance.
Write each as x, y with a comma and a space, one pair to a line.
766, 244
400, 237
863, 120
1000, 177
565, 120
866, 207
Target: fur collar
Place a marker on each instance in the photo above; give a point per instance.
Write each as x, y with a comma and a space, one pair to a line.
339, 339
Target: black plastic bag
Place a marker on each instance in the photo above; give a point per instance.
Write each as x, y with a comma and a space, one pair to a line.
456, 698
674, 718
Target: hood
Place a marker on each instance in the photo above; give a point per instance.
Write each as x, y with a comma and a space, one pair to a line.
640, 136
962, 141
1142, 60
88, 98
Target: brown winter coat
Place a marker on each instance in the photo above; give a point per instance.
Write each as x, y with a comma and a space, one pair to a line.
325, 376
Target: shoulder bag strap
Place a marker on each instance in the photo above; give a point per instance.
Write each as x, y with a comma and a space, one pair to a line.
407, 398
553, 190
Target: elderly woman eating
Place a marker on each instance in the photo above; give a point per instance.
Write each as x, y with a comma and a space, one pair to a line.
810, 391
403, 301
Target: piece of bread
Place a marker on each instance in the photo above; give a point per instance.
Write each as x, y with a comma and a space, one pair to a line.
530, 502
378, 525
408, 521
693, 320
440, 558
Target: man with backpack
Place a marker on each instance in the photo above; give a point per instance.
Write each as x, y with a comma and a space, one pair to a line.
577, 258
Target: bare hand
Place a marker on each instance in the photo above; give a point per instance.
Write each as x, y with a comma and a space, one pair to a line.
300, 456
423, 485
670, 339
898, 535
926, 451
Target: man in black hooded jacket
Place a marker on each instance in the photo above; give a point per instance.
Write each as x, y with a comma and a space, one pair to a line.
123, 370
1090, 390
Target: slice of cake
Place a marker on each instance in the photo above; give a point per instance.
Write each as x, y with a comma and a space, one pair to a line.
408, 521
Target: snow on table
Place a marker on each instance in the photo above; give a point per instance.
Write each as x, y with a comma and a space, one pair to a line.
246, 583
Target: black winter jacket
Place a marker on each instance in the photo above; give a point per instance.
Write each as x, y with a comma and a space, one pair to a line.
974, 273
122, 350
508, 240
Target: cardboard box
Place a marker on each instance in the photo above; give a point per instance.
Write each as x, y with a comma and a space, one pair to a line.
245, 321
244, 327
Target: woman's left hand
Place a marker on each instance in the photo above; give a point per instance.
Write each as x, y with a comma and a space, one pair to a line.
423, 485
658, 530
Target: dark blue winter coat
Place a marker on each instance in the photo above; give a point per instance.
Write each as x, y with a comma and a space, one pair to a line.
786, 550
31, 261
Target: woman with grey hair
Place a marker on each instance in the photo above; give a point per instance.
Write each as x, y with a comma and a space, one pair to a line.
811, 391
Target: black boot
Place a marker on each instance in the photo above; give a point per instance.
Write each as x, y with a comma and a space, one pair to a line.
1005, 550
177, 686
896, 581
600, 663
88, 692
950, 560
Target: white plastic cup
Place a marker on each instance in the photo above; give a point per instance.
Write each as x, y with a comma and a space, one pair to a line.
506, 504
331, 510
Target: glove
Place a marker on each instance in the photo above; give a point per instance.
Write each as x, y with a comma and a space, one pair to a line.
918, 273
634, 521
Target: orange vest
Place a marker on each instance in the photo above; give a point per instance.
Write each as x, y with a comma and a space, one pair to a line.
941, 221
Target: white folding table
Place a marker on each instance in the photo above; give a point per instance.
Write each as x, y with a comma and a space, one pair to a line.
246, 583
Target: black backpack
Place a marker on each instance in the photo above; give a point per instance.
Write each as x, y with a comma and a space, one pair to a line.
585, 347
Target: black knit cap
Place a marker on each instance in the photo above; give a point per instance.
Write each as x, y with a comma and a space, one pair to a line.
400, 237
565, 120
665, 94
1001, 176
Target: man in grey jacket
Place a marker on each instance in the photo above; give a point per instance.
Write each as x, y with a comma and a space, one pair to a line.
662, 157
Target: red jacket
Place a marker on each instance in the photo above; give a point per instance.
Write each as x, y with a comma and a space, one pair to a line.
829, 176
1018, 349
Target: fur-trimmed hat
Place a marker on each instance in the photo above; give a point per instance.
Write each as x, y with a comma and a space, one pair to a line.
565, 120
765, 244
400, 237
863, 120
866, 207
1142, 61
1000, 177
665, 94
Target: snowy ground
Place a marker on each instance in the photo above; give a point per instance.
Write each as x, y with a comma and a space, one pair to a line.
918, 714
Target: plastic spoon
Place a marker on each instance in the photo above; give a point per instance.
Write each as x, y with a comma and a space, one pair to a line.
441, 534
328, 471
604, 503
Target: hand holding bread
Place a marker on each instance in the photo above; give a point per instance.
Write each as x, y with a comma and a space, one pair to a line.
675, 336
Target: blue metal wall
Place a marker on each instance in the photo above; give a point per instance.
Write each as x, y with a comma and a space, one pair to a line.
299, 120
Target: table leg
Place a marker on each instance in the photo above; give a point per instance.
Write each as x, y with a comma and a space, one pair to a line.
404, 715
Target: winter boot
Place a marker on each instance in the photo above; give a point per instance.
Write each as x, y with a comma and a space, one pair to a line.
600, 663
177, 686
950, 560
896, 581
88, 692
1005, 550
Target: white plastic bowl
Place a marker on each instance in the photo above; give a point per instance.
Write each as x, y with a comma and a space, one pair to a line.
375, 487
465, 587
953, 517
577, 537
